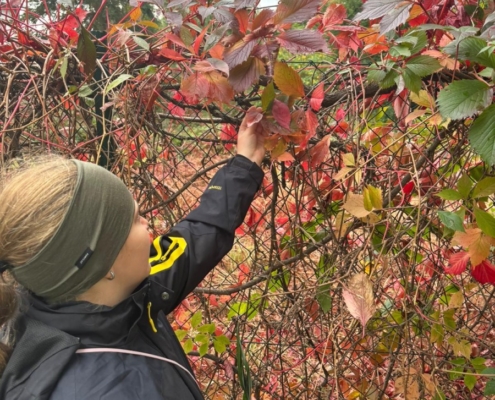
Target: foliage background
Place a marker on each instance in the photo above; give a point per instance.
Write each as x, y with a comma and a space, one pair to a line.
363, 269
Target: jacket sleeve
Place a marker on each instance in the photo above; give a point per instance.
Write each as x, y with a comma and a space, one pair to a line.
183, 257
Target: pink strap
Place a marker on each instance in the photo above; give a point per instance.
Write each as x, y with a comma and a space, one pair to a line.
135, 353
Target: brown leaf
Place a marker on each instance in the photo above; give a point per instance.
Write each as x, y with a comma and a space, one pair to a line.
355, 205
288, 80
262, 18
245, 74
302, 41
358, 297
212, 64
408, 386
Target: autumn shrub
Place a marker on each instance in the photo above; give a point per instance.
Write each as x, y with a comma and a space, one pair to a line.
364, 268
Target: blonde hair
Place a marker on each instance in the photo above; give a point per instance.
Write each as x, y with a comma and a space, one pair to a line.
34, 197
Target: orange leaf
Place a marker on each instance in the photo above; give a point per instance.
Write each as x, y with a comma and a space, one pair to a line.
242, 17
288, 80
478, 245
319, 152
199, 39
171, 54
355, 205
135, 14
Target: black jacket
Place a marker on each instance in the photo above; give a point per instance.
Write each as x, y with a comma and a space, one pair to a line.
44, 364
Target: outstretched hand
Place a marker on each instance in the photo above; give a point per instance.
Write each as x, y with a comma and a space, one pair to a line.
250, 140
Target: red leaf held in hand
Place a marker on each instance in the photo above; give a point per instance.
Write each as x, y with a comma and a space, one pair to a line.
317, 97
457, 263
484, 272
253, 116
281, 113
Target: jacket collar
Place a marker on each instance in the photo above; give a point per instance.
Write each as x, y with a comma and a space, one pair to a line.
95, 325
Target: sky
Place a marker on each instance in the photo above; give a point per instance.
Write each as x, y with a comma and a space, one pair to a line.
266, 3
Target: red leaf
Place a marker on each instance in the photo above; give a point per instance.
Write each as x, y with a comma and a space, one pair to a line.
408, 187
244, 272
195, 87
176, 110
228, 133
242, 17
340, 114
281, 113
311, 123
199, 39
253, 117
457, 263
302, 41
319, 152
317, 97
238, 53
484, 272
334, 15
171, 54
289, 11
245, 74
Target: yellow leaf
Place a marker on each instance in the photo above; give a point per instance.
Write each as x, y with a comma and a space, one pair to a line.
415, 114
288, 80
349, 160
355, 205
422, 98
149, 24
367, 200
375, 197
135, 14
456, 300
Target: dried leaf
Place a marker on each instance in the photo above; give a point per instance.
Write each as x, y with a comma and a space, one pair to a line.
288, 80
212, 64
355, 205
302, 41
358, 297
408, 386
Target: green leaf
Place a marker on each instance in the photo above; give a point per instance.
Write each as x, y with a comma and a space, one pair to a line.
401, 50
181, 334
470, 381
221, 343
485, 222
423, 65
389, 79
86, 51
484, 188
470, 49
63, 67
482, 135
422, 40
203, 349
464, 186
490, 388
84, 91
207, 328
449, 194
116, 82
202, 338
461, 99
267, 97
141, 42
188, 346
411, 80
448, 319
375, 74
196, 319
451, 220
323, 298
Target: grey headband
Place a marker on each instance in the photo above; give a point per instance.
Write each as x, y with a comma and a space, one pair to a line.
86, 244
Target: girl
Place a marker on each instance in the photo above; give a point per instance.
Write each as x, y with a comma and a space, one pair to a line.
92, 323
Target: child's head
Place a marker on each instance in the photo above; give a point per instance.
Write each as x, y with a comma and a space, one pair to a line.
63, 224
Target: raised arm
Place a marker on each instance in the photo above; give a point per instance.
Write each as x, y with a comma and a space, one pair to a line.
181, 259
